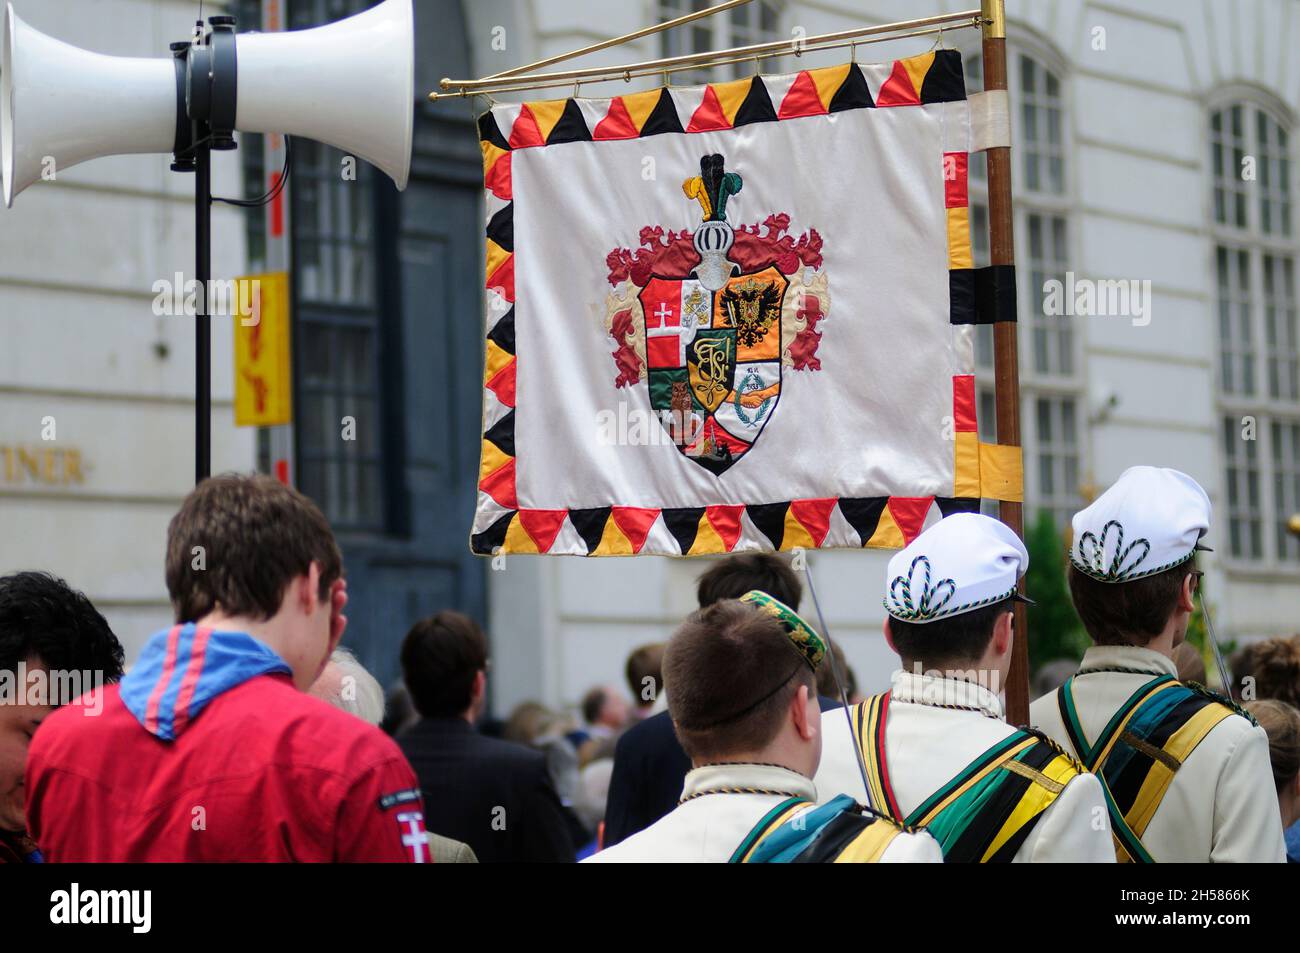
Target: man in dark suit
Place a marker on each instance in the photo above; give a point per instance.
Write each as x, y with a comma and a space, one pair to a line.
494, 795
649, 763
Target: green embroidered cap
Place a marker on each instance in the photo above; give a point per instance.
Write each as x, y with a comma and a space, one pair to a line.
803, 636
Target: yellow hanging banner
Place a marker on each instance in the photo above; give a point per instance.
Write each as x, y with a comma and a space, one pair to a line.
263, 367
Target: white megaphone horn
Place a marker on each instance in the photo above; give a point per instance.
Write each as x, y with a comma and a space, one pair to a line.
60, 105
349, 84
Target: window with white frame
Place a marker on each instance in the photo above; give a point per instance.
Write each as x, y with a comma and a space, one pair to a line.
1046, 258
1056, 456
1245, 508
1285, 438
1040, 127
1259, 348
1052, 383
750, 23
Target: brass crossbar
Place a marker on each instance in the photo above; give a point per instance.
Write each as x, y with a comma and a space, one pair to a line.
516, 81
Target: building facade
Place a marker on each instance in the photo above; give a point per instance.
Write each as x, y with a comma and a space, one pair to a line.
1152, 143
96, 373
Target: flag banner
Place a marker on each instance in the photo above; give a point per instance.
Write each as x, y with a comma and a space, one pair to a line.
263, 359
732, 317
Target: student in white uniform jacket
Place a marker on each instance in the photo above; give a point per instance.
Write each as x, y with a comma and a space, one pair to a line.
740, 680
1188, 771
936, 747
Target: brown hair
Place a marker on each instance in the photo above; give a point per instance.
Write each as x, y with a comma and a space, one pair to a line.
1275, 666
1127, 613
1281, 723
950, 641
441, 656
742, 572
646, 661
731, 672
238, 541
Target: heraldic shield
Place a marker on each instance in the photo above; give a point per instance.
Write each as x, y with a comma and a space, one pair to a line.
709, 320
714, 361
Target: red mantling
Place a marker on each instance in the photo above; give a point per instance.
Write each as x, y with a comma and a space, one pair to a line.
629, 365
672, 254
803, 349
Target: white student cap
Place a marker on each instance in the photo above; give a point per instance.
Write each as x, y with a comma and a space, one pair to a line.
961, 563
1150, 520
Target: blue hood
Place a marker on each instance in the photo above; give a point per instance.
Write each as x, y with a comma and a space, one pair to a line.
183, 668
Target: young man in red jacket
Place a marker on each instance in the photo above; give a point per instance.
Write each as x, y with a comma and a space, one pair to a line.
209, 749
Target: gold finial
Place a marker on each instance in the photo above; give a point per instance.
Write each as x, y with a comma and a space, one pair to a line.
993, 14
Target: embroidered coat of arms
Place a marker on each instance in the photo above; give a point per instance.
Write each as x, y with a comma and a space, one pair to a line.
709, 320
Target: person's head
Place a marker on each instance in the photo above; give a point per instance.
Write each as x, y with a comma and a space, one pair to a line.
49, 628
1273, 665
1281, 722
604, 706
950, 596
249, 552
444, 665
1132, 571
1146, 610
974, 645
530, 722
1190, 663
739, 689
645, 674
738, 574
347, 685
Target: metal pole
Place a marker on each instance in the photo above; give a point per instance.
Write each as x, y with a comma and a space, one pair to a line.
1006, 368
844, 694
203, 320
279, 256
640, 71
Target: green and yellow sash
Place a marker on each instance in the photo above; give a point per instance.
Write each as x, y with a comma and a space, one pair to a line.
985, 813
1140, 750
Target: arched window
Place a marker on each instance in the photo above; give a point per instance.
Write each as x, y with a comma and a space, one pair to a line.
1259, 361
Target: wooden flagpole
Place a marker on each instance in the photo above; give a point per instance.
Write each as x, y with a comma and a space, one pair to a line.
1006, 367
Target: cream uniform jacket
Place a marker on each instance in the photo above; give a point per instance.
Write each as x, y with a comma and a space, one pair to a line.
1221, 805
709, 828
927, 746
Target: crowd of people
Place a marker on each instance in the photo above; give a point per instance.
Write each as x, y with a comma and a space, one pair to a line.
245, 731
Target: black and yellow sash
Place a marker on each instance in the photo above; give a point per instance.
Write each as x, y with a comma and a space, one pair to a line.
985, 813
1140, 750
